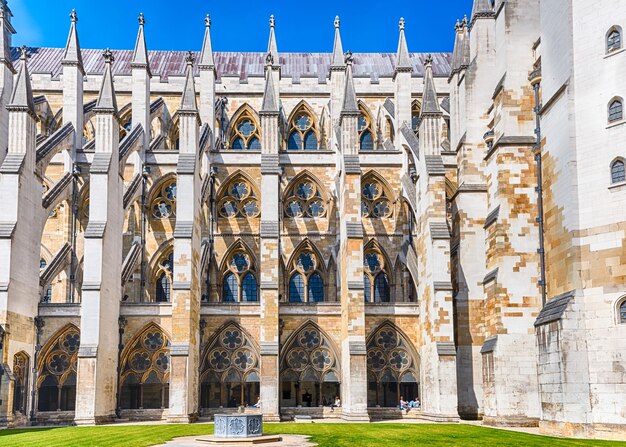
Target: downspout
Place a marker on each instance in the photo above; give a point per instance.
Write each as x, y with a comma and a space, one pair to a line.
39, 325
535, 81
73, 231
142, 283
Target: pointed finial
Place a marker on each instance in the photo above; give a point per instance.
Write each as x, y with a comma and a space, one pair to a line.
190, 58
401, 24
465, 22
142, 20
337, 22
23, 50
428, 62
349, 58
272, 21
207, 21
108, 56
73, 16
458, 25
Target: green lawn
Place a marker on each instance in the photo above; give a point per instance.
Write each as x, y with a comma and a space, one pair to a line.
326, 435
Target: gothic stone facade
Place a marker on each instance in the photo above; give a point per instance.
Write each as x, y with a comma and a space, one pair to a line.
187, 233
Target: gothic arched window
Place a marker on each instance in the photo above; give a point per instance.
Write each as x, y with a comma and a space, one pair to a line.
616, 110
366, 133
229, 371
163, 205
238, 199
165, 272
617, 171
20, 391
245, 132
622, 312
302, 130
145, 375
376, 198
56, 383
304, 199
306, 284
392, 368
614, 39
375, 276
309, 370
239, 281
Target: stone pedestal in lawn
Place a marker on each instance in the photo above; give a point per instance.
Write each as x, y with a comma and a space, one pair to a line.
239, 429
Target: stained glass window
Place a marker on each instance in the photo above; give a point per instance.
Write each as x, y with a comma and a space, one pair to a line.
381, 289
375, 199
622, 312
306, 283
616, 110
613, 41
239, 281
164, 203
249, 292
245, 132
316, 288
296, 288
302, 131
375, 277
230, 292
366, 133
164, 279
617, 172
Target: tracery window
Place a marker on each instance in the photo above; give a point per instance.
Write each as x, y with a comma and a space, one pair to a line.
229, 372
366, 132
245, 132
375, 276
302, 131
375, 199
239, 200
617, 171
239, 283
56, 384
163, 206
613, 40
145, 375
165, 272
306, 283
304, 199
20, 391
392, 368
616, 110
309, 369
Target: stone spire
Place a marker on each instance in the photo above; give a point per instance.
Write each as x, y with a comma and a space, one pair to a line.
206, 55
430, 105
106, 98
140, 55
6, 30
482, 9
403, 63
461, 54
22, 97
338, 57
272, 48
188, 102
72, 55
270, 104
350, 104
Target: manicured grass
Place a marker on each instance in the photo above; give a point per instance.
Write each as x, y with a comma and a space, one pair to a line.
326, 435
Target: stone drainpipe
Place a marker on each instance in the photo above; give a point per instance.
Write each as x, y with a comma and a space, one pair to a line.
535, 81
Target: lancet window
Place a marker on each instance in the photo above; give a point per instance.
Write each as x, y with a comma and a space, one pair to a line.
245, 133
375, 276
366, 130
144, 376
306, 283
375, 199
302, 131
239, 281
164, 274
229, 373
56, 384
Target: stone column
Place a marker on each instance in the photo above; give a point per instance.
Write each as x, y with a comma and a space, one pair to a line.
99, 313
187, 252
270, 250
20, 194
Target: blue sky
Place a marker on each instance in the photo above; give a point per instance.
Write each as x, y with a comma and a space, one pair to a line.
305, 26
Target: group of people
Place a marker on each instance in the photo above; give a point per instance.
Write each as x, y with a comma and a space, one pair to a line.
414, 404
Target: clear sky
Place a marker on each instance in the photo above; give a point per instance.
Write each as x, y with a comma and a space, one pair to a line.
301, 26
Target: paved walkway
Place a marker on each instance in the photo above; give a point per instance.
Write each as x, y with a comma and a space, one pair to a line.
288, 441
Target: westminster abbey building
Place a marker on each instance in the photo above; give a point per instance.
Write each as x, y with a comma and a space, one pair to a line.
191, 233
